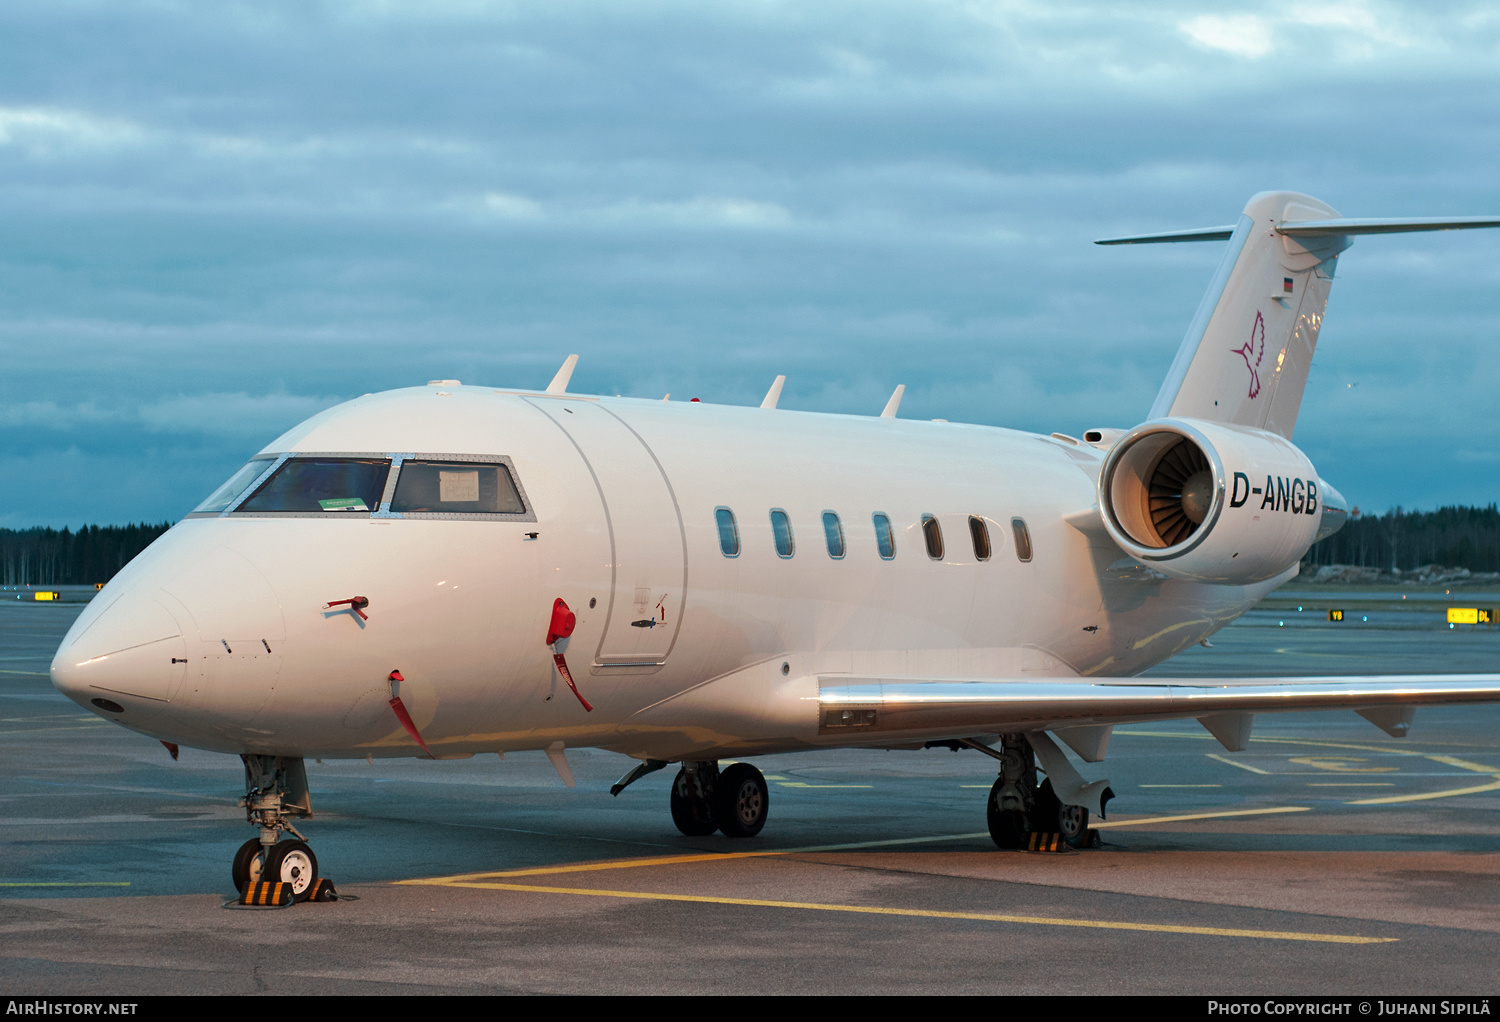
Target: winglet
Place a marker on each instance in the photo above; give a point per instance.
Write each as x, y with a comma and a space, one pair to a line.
894, 402
559, 384
774, 394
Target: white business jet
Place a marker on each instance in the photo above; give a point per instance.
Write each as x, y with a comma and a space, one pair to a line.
451, 570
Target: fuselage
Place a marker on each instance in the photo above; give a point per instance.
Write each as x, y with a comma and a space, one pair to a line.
220, 636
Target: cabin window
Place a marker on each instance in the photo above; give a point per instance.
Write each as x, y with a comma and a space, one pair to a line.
781, 526
456, 487
885, 539
729, 532
238, 483
1023, 538
932, 533
833, 532
322, 485
980, 534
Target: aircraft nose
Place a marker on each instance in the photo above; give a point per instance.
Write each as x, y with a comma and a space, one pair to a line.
186, 630
132, 647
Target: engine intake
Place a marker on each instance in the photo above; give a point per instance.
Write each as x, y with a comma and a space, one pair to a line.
1210, 501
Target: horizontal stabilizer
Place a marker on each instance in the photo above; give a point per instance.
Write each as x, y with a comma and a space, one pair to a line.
1397, 225
1318, 229
1198, 234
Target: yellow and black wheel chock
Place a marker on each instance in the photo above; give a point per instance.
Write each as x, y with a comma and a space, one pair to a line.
322, 890
1044, 842
267, 894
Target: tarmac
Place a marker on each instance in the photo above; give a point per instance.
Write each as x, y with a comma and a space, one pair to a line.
1328, 858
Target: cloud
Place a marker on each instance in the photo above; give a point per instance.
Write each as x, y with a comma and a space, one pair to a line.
41, 130
1244, 35
512, 207
239, 211
700, 212
238, 415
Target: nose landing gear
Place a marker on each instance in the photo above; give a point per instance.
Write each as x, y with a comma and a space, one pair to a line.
275, 791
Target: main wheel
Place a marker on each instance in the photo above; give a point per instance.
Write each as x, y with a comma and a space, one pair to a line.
694, 816
248, 864
1051, 816
741, 801
1008, 827
292, 862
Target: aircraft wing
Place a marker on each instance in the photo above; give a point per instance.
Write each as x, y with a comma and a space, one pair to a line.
898, 709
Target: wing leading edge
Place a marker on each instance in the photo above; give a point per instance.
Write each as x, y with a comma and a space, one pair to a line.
906, 709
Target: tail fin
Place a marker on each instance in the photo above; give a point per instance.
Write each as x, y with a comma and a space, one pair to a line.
1248, 349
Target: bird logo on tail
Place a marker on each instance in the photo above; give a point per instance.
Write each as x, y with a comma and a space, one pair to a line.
1253, 351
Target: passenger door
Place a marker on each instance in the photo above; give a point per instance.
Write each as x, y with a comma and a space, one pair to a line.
648, 553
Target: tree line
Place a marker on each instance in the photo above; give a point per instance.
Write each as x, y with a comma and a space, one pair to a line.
53, 557
1455, 537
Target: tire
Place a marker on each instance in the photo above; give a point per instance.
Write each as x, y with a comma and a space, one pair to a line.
247, 865
693, 816
1073, 825
741, 801
292, 862
1008, 827
1051, 816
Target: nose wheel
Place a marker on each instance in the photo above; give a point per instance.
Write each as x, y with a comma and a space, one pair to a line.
293, 863
249, 863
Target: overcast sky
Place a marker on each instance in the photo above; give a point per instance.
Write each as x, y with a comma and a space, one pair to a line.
217, 219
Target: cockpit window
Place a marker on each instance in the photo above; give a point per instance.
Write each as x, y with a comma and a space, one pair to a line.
237, 484
322, 485
459, 487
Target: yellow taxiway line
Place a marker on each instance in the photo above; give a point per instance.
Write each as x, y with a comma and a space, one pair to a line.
1203, 816
495, 881
671, 860
923, 913
1492, 786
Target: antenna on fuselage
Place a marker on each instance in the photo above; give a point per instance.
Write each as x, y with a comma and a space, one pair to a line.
894, 402
774, 394
559, 384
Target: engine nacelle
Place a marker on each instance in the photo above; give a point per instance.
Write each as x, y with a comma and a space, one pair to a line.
1210, 501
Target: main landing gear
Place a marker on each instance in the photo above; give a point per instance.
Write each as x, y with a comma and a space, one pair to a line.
1018, 807
275, 791
734, 801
